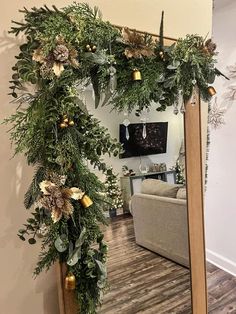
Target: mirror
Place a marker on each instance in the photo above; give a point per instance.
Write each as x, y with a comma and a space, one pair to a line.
148, 263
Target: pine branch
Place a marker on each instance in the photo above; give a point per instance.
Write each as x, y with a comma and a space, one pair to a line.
33, 192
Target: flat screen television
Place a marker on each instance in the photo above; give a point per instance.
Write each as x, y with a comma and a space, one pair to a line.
138, 145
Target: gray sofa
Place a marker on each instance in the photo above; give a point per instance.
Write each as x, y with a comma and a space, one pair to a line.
160, 220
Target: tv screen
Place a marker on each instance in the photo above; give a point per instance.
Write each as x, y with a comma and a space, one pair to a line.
137, 144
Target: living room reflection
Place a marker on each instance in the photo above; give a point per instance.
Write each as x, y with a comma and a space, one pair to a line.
147, 235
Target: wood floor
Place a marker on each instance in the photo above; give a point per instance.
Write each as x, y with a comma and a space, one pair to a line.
144, 282
141, 281
221, 291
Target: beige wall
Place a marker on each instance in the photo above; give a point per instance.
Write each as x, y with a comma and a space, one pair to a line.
19, 293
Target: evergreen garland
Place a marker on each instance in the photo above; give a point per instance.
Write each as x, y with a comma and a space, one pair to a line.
65, 49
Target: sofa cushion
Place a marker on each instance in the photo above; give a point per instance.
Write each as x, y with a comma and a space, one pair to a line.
159, 188
181, 194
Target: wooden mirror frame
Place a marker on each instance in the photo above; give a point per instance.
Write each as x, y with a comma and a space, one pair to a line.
195, 205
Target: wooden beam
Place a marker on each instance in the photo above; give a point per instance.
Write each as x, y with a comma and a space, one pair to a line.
193, 147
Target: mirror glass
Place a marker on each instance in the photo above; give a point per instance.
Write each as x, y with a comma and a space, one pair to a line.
148, 262
220, 215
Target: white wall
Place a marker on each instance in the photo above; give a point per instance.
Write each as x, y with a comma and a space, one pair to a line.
19, 293
220, 212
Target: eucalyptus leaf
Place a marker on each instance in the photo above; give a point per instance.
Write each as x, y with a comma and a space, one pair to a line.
32, 241
70, 248
81, 238
74, 258
60, 245
81, 105
99, 57
102, 268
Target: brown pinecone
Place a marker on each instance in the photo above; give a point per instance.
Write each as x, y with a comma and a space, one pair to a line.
48, 202
46, 71
61, 53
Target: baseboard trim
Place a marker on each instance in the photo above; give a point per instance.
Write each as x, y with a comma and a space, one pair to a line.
221, 262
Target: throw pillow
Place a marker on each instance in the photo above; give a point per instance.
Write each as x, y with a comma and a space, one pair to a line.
159, 188
181, 194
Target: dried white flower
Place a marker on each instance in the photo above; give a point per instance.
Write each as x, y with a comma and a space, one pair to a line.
77, 193
44, 185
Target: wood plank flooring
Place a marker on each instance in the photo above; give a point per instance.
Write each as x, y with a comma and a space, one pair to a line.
221, 291
144, 282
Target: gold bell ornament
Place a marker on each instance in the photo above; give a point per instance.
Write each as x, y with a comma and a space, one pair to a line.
211, 90
86, 201
136, 75
70, 282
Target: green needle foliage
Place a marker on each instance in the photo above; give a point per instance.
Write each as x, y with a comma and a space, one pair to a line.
64, 50
37, 133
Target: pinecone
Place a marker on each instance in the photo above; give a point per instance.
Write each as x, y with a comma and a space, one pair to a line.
46, 71
61, 53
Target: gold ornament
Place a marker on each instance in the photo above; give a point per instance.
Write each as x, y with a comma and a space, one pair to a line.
71, 123
162, 55
56, 199
94, 48
86, 201
63, 125
211, 90
88, 47
136, 75
70, 282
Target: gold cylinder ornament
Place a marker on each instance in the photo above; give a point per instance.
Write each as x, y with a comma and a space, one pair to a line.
211, 90
136, 75
86, 201
70, 282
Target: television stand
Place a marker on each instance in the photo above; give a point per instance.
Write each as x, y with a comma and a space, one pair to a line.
132, 184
